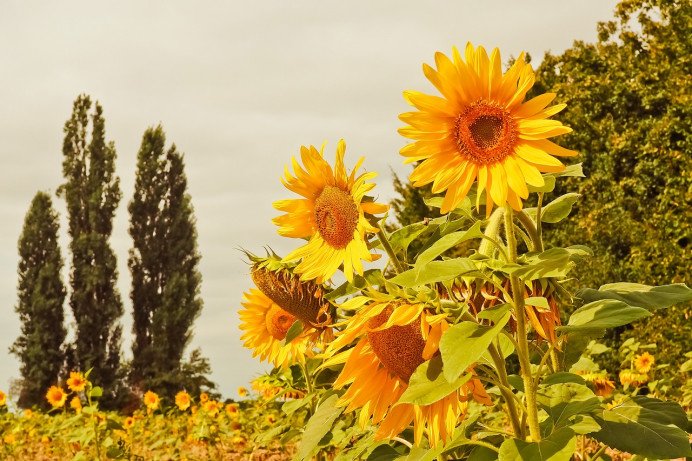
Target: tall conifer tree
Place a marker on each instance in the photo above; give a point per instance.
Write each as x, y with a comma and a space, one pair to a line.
41, 295
92, 193
163, 263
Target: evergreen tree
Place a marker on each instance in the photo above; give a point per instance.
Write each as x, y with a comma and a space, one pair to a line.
41, 295
92, 193
165, 278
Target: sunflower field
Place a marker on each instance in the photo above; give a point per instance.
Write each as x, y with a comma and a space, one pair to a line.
466, 332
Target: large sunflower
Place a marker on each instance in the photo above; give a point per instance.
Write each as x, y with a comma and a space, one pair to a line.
481, 128
331, 215
265, 325
394, 338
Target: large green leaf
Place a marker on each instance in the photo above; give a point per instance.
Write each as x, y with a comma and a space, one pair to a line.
446, 242
560, 446
402, 238
560, 208
635, 294
602, 314
369, 278
464, 343
555, 262
647, 427
435, 271
319, 424
428, 384
565, 400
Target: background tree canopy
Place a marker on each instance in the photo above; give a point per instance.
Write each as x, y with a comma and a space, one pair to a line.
628, 101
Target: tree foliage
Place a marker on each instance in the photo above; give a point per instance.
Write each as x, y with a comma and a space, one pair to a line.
163, 262
41, 294
92, 192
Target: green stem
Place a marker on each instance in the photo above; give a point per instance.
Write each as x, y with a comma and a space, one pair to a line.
492, 230
598, 453
505, 390
522, 332
539, 219
480, 443
531, 230
384, 240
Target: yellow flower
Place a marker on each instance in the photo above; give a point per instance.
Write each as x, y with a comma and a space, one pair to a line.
232, 410
151, 400
128, 422
242, 391
211, 407
265, 326
481, 128
602, 385
270, 418
632, 378
76, 382
9, 439
76, 404
28, 413
56, 396
331, 215
182, 400
203, 397
644, 362
3, 399
394, 338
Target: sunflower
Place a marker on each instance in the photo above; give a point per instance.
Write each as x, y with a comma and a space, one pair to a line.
182, 400
211, 407
644, 362
243, 392
128, 422
3, 399
265, 325
203, 397
331, 215
232, 410
76, 382
151, 400
599, 380
76, 404
481, 128
394, 338
56, 396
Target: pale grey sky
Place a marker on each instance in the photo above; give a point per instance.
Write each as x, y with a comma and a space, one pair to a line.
238, 86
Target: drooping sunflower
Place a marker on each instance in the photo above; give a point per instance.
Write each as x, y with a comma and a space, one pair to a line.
56, 396
394, 338
481, 128
331, 215
265, 325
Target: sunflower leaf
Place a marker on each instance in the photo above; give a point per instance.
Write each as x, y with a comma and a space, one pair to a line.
435, 271
428, 384
559, 446
293, 332
603, 314
445, 243
464, 343
318, 426
648, 297
560, 208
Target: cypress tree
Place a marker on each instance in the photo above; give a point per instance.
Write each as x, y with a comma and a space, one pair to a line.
41, 295
92, 193
163, 263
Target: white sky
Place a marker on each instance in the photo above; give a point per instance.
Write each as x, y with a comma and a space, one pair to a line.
238, 86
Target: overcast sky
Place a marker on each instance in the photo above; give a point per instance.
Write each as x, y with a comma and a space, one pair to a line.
238, 86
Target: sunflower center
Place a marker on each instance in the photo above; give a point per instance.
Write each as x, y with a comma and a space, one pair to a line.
278, 322
399, 348
336, 216
485, 133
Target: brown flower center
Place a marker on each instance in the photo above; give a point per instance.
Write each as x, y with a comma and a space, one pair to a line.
485, 133
336, 216
278, 322
302, 299
399, 348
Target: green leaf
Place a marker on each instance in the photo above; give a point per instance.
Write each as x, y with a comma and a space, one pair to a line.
319, 424
435, 271
384, 453
446, 242
293, 332
463, 344
291, 406
602, 314
560, 208
575, 170
96, 392
584, 424
555, 262
635, 294
647, 427
369, 278
428, 384
113, 424
537, 301
563, 377
560, 446
548, 185
565, 400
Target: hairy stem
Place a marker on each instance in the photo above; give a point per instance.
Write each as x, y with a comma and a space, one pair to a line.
505, 390
492, 229
384, 240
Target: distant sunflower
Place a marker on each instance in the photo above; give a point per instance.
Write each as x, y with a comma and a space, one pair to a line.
151, 400
76, 404
3, 398
76, 382
265, 326
644, 362
481, 128
56, 396
331, 215
394, 338
182, 400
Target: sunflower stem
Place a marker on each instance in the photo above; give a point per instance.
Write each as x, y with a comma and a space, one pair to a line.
384, 240
505, 390
522, 332
492, 229
531, 230
539, 219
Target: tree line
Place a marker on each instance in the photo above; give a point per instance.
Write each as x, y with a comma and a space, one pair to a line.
163, 262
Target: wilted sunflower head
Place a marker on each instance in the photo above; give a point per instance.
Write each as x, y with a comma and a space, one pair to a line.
302, 299
481, 128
